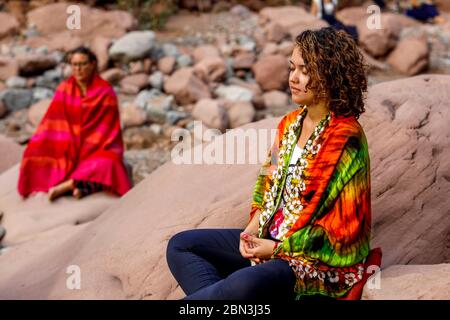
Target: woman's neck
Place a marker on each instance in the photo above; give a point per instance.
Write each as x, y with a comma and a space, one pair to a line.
317, 112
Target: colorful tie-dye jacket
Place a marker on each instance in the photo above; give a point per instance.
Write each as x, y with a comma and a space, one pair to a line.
329, 241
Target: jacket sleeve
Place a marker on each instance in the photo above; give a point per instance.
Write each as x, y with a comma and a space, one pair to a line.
339, 232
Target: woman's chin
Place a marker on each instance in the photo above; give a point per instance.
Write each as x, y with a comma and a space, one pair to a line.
298, 100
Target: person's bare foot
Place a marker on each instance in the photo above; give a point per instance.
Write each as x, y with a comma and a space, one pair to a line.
60, 189
76, 193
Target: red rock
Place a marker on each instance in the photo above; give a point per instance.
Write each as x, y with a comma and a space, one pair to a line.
244, 60
9, 67
410, 56
212, 113
186, 87
113, 75
275, 32
378, 42
241, 113
132, 115
3, 109
271, 72
275, 99
211, 69
134, 83
205, 51
52, 18
100, 47
34, 63
167, 64
63, 41
8, 25
291, 18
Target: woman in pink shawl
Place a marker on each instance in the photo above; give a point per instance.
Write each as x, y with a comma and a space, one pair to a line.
78, 147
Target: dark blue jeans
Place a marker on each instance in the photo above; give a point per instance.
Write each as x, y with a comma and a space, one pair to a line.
208, 266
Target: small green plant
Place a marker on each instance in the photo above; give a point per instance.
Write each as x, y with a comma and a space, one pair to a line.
151, 14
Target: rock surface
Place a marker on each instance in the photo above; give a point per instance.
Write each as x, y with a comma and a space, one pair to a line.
122, 251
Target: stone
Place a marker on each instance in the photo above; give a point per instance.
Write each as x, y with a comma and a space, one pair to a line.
271, 72
37, 111
145, 95
244, 60
411, 282
294, 19
174, 116
275, 32
100, 46
9, 25
156, 80
62, 41
234, 93
50, 19
204, 51
16, 82
41, 93
275, 99
113, 75
31, 64
16, 99
134, 83
378, 42
184, 61
139, 138
241, 113
411, 56
212, 113
132, 115
270, 48
167, 64
134, 45
11, 154
3, 110
211, 69
9, 67
158, 107
186, 87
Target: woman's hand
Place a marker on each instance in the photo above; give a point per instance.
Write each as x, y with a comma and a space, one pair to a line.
244, 246
256, 248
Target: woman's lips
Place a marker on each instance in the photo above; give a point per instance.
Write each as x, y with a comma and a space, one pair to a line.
295, 90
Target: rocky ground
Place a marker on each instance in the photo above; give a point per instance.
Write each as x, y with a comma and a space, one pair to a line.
216, 67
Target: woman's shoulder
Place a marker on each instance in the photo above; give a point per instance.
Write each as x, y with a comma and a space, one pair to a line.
347, 128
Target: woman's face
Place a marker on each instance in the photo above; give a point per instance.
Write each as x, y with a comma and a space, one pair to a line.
82, 68
298, 79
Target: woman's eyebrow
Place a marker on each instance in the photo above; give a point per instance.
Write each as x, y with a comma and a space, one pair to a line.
299, 65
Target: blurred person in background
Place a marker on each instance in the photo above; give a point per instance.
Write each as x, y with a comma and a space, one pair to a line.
326, 10
77, 148
424, 11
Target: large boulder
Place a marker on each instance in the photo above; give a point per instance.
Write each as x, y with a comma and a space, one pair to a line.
379, 41
122, 252
52, 18
291, 18
410, 56
132, 46
11, 153
410, 282
271, 72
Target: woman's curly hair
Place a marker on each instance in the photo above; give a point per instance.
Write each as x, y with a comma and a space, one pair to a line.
336, 69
